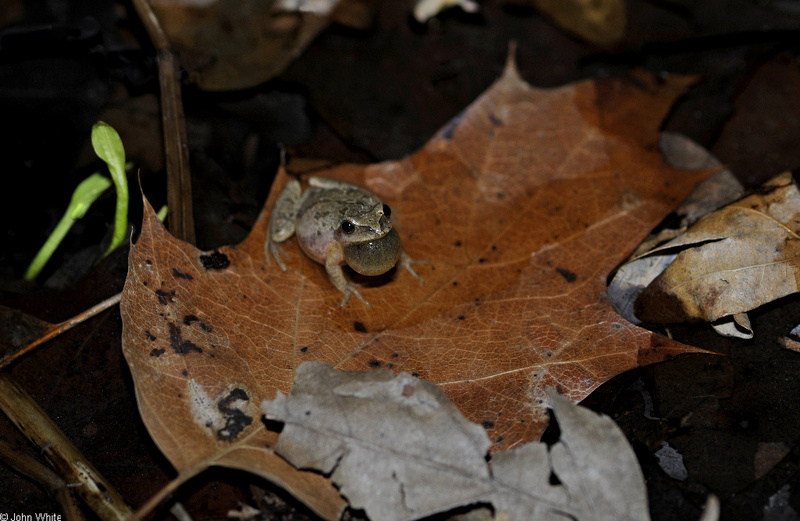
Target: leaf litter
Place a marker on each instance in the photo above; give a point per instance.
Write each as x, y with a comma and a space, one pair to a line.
524, 204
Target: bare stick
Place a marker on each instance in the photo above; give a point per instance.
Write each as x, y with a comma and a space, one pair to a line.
43, 476
179, 181
67, 460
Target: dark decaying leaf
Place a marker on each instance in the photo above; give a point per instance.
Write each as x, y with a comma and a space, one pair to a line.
265, 41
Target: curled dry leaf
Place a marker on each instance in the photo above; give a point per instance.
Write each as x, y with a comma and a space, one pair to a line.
733, 260
523, 205
398, 448
714, 192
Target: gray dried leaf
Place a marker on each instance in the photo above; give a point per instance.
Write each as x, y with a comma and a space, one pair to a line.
397, 447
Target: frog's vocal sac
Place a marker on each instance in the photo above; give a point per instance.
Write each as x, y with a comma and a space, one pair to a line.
337, 223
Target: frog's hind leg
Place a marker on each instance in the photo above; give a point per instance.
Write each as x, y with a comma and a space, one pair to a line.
281, 222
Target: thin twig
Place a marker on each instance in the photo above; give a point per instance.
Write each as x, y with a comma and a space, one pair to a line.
57, 329
176, 150
67, 460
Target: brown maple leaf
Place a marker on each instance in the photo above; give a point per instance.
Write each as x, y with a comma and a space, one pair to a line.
523, 205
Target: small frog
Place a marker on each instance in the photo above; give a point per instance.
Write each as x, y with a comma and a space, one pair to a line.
337, 223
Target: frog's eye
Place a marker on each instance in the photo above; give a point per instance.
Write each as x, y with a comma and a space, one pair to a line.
348, 227
387, 211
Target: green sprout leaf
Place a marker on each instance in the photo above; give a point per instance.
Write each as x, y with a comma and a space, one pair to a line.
108, 147
85, 194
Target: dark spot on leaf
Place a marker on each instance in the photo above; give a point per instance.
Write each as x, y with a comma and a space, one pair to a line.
157, 352
188, 319
304, 349
151, 337
495, 120
181, 275
204, 327
568, 275
487, 424
181, 346
163, 296
214, 260
235, 420
461, 317
389, 365
359, 326
415, 374
458, 243
499, 439
374, 363
395, 355
455, 283
481, 260
185, 372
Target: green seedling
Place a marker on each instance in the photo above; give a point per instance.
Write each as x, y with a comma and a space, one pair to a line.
85, 194
108, 147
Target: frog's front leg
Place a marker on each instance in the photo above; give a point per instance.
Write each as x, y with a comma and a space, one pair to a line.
281, 221
333, 265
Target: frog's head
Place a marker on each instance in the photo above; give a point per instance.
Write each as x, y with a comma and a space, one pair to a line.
363, 222
371, 246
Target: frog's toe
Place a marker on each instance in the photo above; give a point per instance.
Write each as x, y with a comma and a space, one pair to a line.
277, 251
407, 263
351, 290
